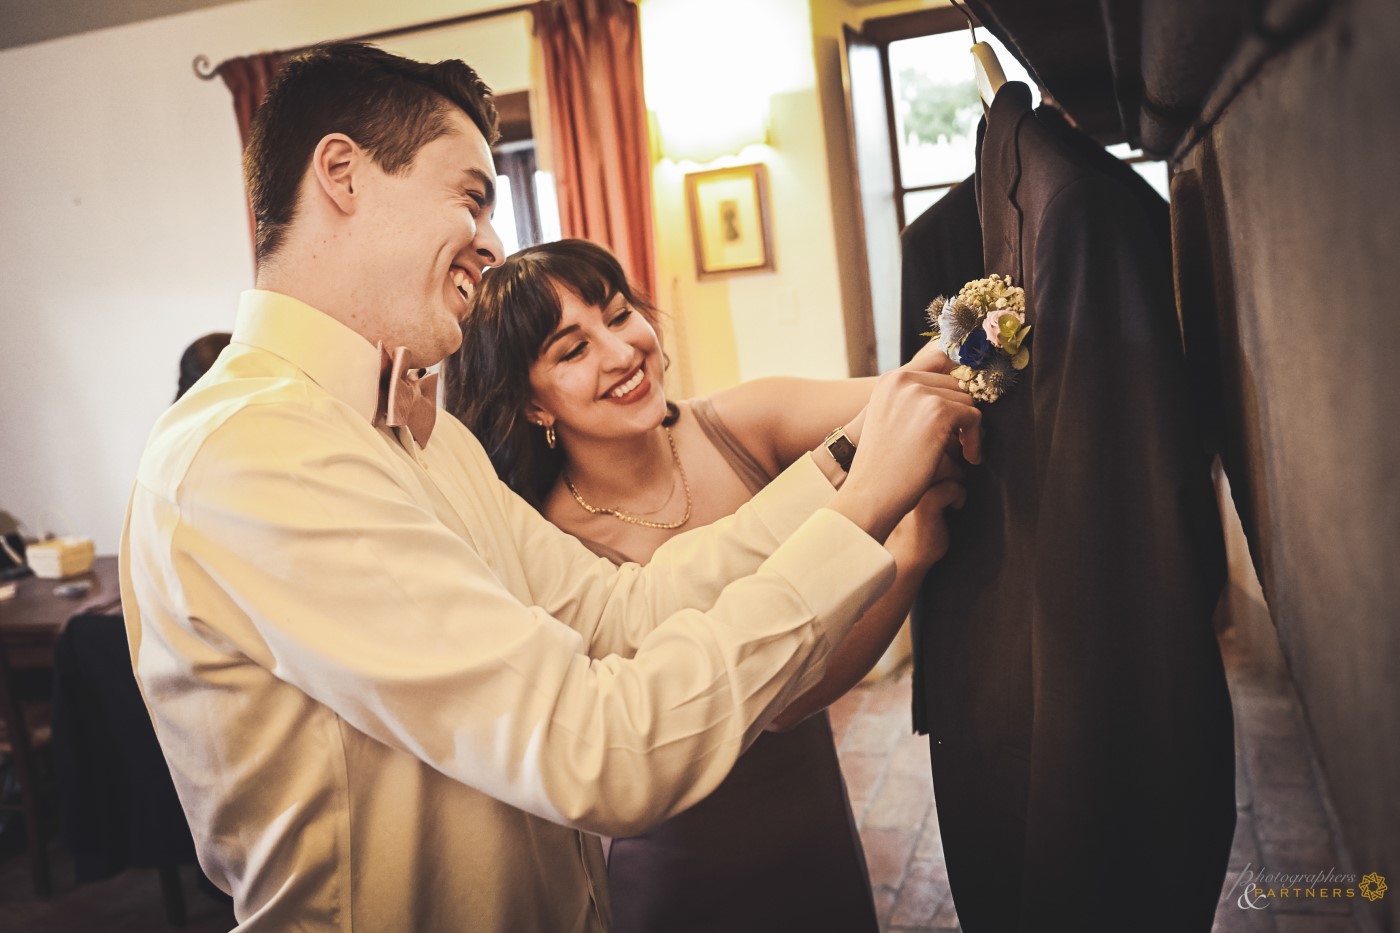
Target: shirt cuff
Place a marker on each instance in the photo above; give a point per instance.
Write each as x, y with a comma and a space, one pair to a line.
835, 567
791, 498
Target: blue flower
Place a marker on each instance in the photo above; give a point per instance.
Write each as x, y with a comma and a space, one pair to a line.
976, 350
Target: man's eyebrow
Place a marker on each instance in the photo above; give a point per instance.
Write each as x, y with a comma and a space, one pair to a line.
486, 182
558, 335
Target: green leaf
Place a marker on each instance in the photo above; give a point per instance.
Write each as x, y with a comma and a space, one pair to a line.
1022, 359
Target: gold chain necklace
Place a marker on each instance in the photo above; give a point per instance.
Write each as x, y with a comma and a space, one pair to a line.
633, 519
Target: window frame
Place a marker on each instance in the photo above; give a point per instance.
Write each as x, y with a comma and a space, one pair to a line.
882, 32
885, 30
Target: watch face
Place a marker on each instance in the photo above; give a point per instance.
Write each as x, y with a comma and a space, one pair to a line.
841, 448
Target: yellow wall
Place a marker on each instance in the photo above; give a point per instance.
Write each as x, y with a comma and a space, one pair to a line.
747, 324
790, 320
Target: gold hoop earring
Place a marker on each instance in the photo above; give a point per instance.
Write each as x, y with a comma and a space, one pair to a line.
549, 435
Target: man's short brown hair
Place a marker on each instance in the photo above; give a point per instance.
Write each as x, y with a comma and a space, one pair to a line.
389, 105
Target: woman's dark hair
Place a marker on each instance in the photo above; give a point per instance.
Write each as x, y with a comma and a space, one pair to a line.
197, 359
517, 307
389, 105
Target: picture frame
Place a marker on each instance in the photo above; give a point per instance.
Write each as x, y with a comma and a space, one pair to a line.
729, 223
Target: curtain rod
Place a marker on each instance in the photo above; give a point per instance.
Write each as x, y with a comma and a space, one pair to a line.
204, 72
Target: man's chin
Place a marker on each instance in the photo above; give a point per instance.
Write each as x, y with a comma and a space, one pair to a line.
445, 344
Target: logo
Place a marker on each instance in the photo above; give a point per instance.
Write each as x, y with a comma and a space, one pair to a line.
1258, 888
1373, 887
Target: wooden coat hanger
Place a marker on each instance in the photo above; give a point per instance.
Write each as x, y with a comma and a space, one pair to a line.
986, 67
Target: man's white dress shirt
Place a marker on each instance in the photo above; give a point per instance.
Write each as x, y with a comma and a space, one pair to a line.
391, 694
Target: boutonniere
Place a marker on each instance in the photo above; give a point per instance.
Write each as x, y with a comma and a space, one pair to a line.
983, 329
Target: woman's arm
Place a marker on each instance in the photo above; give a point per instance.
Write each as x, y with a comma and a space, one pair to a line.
917, 543
781, 418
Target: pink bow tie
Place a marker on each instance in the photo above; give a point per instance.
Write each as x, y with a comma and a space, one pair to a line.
407, 397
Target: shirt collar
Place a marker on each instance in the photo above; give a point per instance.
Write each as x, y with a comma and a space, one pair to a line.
332, 355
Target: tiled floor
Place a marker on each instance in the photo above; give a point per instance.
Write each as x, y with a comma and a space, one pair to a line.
1282, 824
128, 903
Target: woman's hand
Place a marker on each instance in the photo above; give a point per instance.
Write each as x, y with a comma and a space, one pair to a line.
930, 359
921, 538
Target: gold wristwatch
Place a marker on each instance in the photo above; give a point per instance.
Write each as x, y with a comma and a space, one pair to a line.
841, 448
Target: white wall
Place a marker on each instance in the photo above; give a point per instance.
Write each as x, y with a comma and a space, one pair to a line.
124, 227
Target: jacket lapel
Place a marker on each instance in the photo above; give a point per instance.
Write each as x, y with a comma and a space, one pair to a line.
998, 175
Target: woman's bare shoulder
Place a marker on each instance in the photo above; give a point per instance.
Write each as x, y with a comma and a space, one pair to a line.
752, 411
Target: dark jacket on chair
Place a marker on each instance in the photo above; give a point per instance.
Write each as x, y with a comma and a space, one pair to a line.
117, 803
1070, 681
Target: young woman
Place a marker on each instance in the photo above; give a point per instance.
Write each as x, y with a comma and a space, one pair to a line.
560, 377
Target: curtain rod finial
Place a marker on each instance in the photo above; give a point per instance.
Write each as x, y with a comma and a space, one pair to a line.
203, 68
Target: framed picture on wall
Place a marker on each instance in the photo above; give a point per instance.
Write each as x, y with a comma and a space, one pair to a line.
729, 219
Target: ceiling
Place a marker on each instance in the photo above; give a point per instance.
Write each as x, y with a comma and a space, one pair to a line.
23, 22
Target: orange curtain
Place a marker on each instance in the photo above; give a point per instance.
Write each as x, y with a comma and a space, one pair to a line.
592, 56
248, 80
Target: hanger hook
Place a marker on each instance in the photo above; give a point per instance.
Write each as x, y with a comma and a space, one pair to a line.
968, 16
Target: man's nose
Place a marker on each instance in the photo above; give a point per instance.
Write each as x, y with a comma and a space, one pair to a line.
487, 243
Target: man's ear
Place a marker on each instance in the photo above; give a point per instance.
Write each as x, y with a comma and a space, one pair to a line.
334, 165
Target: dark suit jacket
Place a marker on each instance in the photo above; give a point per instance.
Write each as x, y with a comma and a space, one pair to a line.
1080, 728
941, 249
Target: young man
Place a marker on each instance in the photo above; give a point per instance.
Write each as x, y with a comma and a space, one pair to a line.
389, 692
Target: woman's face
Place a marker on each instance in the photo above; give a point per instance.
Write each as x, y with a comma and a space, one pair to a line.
599, 374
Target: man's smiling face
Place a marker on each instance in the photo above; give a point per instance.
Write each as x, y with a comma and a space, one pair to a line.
425, 238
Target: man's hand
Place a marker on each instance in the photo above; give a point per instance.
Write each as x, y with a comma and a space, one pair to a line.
921, 538
911, 420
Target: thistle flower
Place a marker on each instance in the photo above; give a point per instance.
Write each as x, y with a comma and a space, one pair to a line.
957, 319
934, 307
997, 377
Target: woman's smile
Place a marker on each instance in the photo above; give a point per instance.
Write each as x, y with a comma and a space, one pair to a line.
632, 389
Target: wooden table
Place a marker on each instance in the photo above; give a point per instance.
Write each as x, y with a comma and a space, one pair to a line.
32, 620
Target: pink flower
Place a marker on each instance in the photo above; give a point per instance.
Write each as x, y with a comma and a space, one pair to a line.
992, 323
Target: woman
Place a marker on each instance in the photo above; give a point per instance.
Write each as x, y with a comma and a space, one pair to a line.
560, 376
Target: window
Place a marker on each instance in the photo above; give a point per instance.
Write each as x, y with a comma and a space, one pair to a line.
935, 110
527, 211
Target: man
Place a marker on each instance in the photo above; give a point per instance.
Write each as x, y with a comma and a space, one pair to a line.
389, 692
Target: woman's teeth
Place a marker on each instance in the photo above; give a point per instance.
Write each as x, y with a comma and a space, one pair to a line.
627, 386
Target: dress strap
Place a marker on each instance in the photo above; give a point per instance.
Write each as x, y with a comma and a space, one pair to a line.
744, 463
